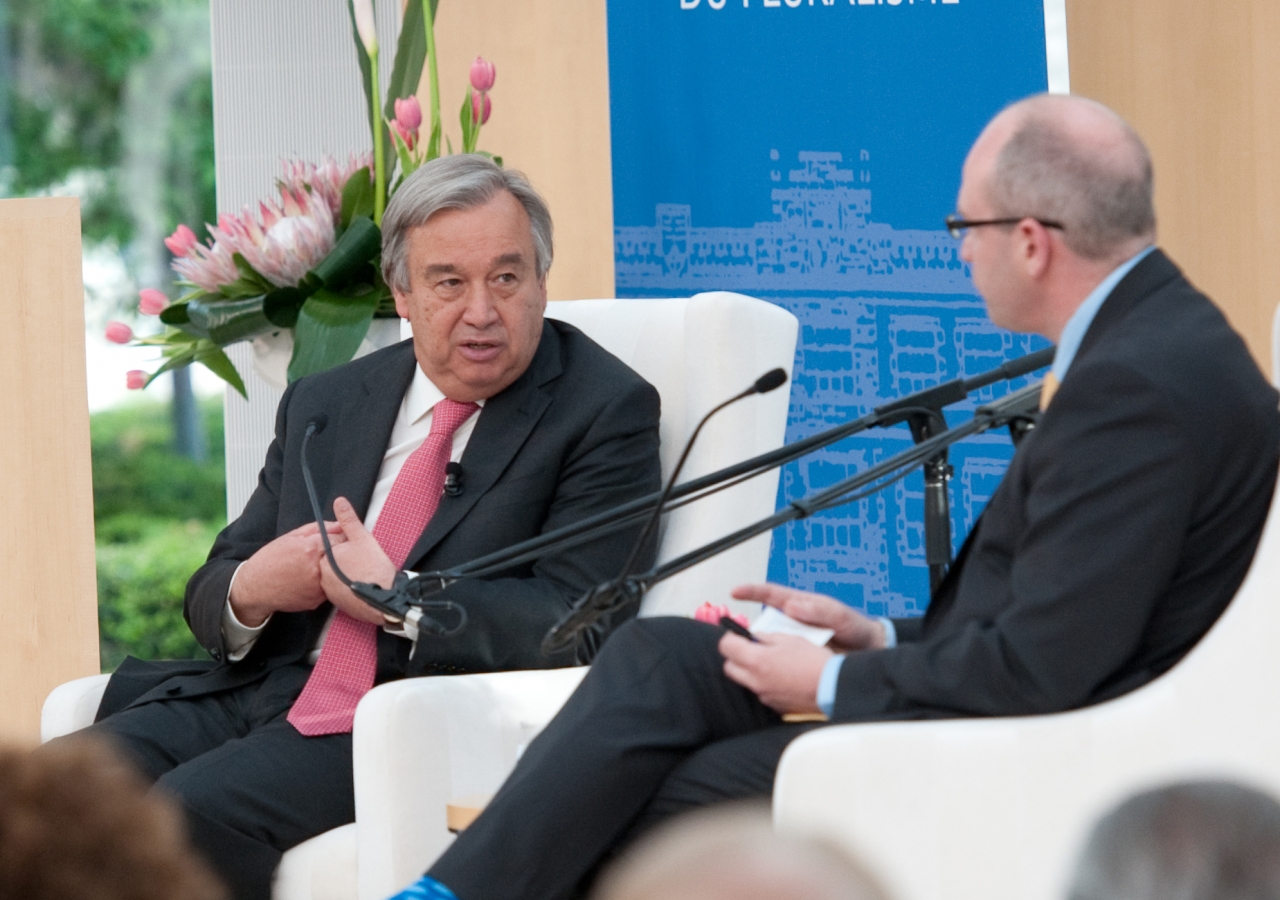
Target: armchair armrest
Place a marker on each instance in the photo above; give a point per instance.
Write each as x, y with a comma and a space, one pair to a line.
71, 706
421, 741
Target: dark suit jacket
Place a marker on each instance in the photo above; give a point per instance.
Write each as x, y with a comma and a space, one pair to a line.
1122, 529
575, 435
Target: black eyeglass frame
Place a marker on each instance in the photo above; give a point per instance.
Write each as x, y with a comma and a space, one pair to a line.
956, 226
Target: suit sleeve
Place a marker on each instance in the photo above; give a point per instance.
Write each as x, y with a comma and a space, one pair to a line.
253, 528
616, 461
1107, 501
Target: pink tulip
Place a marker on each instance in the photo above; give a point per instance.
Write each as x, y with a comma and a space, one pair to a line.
408, 137
409, 113
119, 333
712, 613
482, 74
476, 114
181, 241
152, 302
135, 379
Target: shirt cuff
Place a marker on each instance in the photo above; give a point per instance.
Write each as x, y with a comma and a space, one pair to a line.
890, 632
826, 698
238, 637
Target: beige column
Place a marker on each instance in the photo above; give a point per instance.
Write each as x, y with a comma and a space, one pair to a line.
1200, 81
550, 117
48, 587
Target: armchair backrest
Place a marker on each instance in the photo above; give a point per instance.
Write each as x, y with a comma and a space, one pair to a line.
699, 351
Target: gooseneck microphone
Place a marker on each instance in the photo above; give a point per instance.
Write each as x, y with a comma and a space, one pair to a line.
622, 591
392, 602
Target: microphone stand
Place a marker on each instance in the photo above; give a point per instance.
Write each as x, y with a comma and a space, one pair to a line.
1017, 409
927, 403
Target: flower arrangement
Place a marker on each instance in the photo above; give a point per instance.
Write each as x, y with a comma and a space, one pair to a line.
309, 260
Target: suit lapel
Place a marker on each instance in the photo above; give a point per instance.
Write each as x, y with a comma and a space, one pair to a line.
504, 425
374, 403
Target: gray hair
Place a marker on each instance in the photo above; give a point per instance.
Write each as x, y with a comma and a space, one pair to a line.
1205, 840
464, 181
1093, 177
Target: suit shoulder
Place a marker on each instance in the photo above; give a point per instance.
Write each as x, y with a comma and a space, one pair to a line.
585, 361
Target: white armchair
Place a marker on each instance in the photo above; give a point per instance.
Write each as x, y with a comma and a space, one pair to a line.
420, 742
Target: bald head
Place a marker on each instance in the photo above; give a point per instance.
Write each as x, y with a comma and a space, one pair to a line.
1073, 161
733, 853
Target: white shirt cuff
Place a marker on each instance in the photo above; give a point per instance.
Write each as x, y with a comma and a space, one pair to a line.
238, 637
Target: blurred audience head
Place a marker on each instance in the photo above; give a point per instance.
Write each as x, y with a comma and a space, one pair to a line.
1202, 840
77, 824
733, 853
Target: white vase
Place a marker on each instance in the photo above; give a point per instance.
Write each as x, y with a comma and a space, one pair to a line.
273, 349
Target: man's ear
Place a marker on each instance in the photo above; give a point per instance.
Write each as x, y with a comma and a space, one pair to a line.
402, 302
1035, 248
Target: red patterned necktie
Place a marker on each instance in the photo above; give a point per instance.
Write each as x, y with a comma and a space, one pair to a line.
349, 658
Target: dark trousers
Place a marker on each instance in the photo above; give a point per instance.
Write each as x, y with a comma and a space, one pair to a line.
251, 786
655, 729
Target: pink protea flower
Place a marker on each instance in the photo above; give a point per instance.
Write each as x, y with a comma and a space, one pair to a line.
119, 333
712, 613
325, 179
477, 115
181, 241
152, 302
207, 267
135, 379
292, 237
483, 73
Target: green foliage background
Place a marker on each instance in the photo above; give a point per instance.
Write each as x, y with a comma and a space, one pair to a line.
155, 516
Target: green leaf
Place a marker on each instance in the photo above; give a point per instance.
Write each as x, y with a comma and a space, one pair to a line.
407, 163
281, 306
176, 361
361, 242
249, 284
220, 364
468, 127
357, 197
228, 321
174, 314
329, 331
411, 55
433, 144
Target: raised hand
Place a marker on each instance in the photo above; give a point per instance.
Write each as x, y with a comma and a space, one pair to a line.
361, 559
283, 576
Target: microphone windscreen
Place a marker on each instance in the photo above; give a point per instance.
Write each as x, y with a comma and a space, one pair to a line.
774, 378
317, 423
452, 468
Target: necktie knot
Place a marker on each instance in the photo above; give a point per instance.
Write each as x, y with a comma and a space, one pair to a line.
449, 415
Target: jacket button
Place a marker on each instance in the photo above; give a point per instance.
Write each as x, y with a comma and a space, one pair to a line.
216, 653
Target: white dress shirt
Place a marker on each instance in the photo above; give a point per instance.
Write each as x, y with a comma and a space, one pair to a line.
413, 424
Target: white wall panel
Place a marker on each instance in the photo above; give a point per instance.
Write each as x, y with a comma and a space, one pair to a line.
286, 83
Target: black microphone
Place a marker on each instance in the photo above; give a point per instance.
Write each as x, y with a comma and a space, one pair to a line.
453, 479
396, 602
612, 595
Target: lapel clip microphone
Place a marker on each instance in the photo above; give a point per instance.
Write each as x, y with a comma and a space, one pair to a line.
453, 479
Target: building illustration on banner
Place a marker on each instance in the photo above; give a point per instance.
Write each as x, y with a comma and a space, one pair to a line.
883, 312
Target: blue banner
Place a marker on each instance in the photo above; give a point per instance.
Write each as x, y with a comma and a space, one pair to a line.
749, 140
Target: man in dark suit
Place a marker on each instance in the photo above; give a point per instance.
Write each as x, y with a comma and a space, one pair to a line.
548, 428
1123, 527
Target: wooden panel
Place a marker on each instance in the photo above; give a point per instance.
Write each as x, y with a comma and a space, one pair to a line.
48, 592
1201, 83
550, 117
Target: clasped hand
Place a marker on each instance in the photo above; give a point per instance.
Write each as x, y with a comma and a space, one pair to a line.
783, 670
292, 573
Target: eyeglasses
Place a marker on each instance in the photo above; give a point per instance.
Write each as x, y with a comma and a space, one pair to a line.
957, 225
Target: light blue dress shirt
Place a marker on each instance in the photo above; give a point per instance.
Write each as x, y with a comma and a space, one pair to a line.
1072, 334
